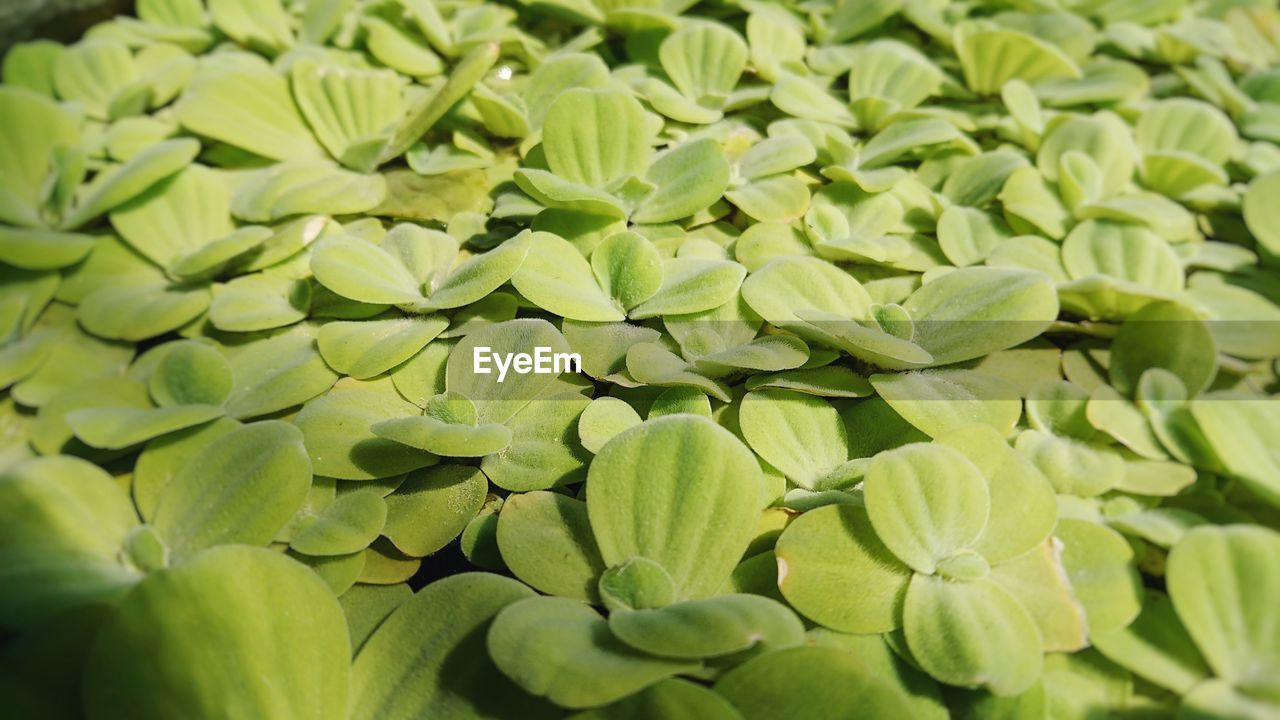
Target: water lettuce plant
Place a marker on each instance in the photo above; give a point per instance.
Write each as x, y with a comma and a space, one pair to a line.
920, 359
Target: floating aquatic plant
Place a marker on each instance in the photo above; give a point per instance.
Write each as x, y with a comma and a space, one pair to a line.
564, 358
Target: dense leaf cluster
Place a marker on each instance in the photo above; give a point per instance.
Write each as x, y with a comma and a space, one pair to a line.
928, 361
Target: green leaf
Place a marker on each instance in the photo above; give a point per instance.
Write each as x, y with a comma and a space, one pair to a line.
225, 619
306, 186
177, 216
444, 436
119, 184
1037, 580
992, 56
544, 451
1058, 407
241, 488
429, 108
115, 428
636, 584
604, 418
788, 284
978, 180
498, 401
972, 312
451, 495
1073, 466
939, 401
562, 650
138, 312
1102, 137
628, 268
51, 435
1165, 335
347, 525
1260, 210
264, 25
1098, 563
904, 137
1023, 507
65, 523
596, 137
972, 634
366, 606
703, 60
828, 553
556, 277
361, 271
554, 192
275, 373
691, 285
708, 628
351, 111
1128, 253
477, 277
95, 73
799, 434
163, 458
250, 108
546, 541
968, 236
775, 199
673, 699
1239, 432
364, 349
190, 373
1186, 125
1156, 647
1216, 697
802, 98
32, 249
34, 126
686, 179
1223, 585
339, 441
385, 565
217, 257
262, 301
71, 358
927, 503
680, 491
810, 682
